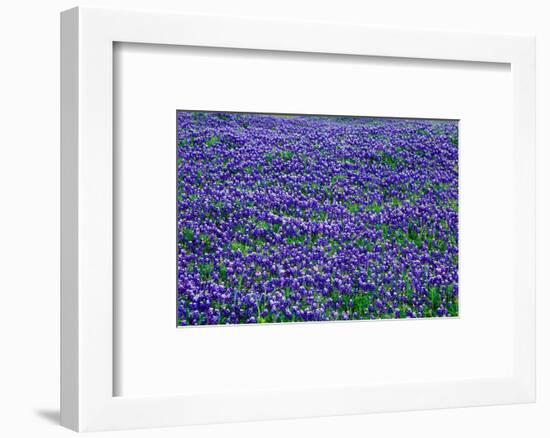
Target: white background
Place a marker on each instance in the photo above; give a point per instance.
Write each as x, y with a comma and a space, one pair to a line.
152, 81
29, 189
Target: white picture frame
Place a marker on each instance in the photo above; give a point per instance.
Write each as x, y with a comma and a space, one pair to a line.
87, 318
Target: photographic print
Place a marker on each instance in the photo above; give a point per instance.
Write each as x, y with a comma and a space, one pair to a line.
295, 218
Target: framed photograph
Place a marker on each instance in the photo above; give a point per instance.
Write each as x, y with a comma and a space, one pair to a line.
276, 219
296, 218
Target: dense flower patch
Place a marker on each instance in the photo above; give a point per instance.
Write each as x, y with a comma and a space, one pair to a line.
308, 218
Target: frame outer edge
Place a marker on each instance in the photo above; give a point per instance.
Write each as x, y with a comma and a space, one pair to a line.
530, 96
69, 33
523, 73
534, 274
87, 402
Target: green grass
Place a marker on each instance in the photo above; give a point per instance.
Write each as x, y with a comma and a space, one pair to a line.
212, 141
286, 155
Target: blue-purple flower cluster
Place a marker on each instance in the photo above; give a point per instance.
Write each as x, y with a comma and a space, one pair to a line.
314, 218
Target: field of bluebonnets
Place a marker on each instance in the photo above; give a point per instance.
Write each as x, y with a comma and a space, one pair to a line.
310, 218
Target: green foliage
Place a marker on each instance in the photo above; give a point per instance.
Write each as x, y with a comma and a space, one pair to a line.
190, 142
205, 271
188, 234
213, 141
205, 239
396, 202
313, 240
453, 310
354, 208
241, 247
361, 303
435, 298
453, 205
389, 160
334, 247
286, 155
296, 240
375, 207
223, 272
336, 178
